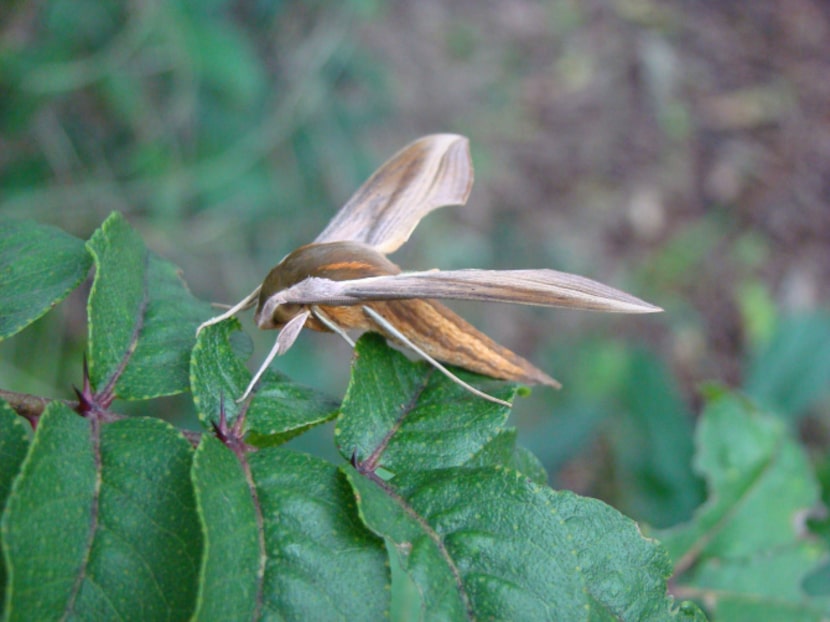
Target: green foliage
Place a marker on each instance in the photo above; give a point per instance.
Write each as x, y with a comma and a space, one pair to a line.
101, 523
14, 443
283, 540
401, 408
231, 568
791, 371
504, 449
142, 318
458, 530
435, 511
179, 107
644, 425
652, 444
279, 410
40, 265
747, 551
486, 542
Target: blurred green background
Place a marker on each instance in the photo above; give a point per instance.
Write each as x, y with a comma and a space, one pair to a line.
678, 150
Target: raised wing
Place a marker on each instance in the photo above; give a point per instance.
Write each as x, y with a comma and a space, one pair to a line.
429, 173
547, 288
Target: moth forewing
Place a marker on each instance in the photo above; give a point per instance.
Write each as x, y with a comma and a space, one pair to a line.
543, 287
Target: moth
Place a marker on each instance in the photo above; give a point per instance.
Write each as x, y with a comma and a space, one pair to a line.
343, 280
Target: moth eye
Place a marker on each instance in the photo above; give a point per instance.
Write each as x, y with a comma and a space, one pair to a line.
283, 313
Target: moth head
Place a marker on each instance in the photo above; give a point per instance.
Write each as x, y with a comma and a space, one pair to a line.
275, 315
272, 312
315, 263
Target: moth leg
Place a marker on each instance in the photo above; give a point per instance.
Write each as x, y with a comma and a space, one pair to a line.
288, 335
331, 325
246, 303
387, 326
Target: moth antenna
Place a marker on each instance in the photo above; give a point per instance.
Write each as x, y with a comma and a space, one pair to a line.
246, 303
331, 325
383, 323
286, 338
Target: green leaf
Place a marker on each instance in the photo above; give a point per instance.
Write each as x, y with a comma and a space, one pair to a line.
504, 451
14, 441
39, 266
230, 580
101, 523
142, 318
159, 365
793, 370
419, 550
279, 409
283, 540
653, 446
413, 414
118, 300
282, 409
51, 506
488, 543
746, 553
217, 375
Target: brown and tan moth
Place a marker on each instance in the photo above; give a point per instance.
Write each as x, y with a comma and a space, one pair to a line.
343, 279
